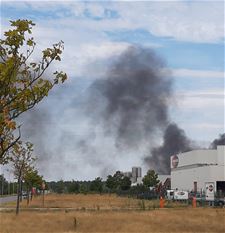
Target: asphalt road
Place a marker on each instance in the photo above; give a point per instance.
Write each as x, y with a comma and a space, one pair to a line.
7, 199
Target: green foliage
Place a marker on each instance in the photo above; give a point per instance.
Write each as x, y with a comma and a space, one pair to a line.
60, 187
140, 188
118, 182
3, 185
150, 179
7, 187
96, 185
22, 159
22, 82
125, 183
72, 187
83, 188
110, 183
32, 179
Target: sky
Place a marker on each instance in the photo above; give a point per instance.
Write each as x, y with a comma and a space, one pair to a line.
188, 35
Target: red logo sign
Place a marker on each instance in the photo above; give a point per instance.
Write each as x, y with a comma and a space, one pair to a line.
210, 188
175, 161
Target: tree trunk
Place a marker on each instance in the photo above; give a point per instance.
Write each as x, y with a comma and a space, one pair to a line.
21, 190
18, 196
2, 185
28, 196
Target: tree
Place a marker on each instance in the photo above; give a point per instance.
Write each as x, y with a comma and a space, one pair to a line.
3, 185
73, 187
22, 81
125, 183
118, 176
118, 181
22, 161
83, 188
150, 179
110, 182
97, 185
60, 187
32, 179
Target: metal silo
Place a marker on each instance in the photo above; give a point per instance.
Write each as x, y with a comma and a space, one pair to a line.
139, 172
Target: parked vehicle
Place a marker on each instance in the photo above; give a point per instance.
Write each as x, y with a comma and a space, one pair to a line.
219, 202
202, 200
176, 195
169, 194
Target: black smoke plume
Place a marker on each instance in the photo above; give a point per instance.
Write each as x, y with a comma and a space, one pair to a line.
131, 101
134, 99
174, 141
218, 142
130, 104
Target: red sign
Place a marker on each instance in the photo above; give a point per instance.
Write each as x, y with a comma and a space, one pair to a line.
174, 161
210, 188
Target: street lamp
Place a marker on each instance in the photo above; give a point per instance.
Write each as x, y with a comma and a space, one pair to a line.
2, 191
9, 181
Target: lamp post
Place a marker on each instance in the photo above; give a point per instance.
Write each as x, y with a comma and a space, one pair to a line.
9, 181
43, 193
2, 191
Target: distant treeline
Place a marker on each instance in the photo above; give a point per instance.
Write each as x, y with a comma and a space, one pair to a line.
114, 183
117, 183
99, 186
76, 186
7, 187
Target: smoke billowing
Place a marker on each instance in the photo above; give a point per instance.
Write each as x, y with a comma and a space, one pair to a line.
35, 130
123, 113
174, 141
136, 93
131, 101
218, 141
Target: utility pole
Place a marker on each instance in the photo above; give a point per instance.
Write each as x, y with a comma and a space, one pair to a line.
2, 191
9, 182
43, 193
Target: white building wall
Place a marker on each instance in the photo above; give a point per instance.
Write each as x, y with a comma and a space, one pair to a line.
197, 156
192, 168
184, 179
221, 155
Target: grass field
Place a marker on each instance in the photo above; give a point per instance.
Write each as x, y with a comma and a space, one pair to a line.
110, 216
93, 202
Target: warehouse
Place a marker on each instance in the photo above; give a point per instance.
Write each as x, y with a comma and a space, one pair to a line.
195, 170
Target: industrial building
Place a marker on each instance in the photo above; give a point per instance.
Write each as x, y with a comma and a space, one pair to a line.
135, 175
195, 170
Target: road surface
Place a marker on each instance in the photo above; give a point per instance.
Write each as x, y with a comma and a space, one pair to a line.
7, 199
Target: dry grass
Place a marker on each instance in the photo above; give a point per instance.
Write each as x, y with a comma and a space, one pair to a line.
103, 219
166, 220
91, 202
